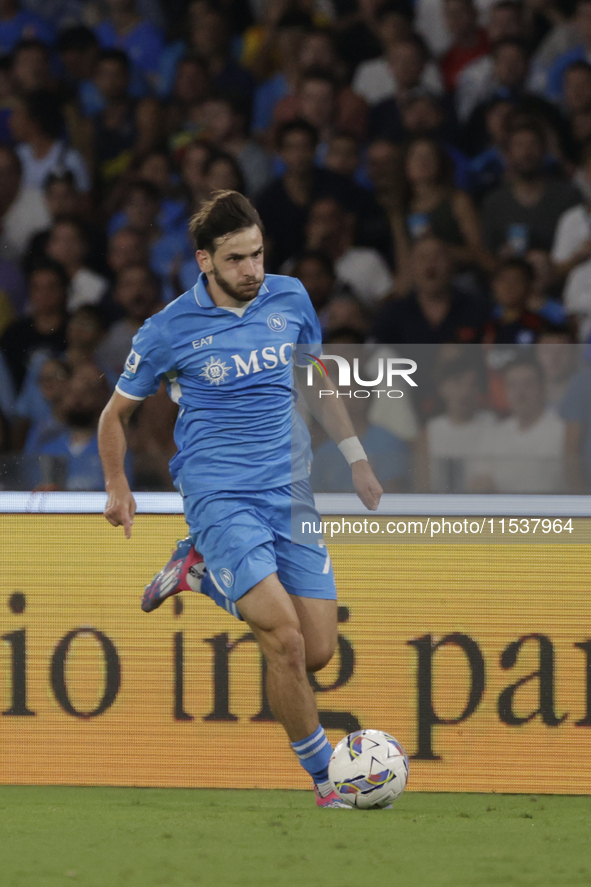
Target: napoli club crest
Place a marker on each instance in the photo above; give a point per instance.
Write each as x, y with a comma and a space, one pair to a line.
276, 323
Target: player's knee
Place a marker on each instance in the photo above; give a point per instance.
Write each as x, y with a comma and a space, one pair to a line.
285, 646
321, 655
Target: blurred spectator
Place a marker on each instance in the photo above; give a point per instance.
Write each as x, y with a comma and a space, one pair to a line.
78, 50
68, 244
509, 59
522, 214
468, 40
126, 247
123, 130
358, 33
194, 158
209, 38
284, 204
31, 67
158, 168
138, 39
575, 409
383, 172
222, 173
44, 327
285, 33
434, 311
571, 255
38, 408
449, 443
141, 212
138, 293
389, 456
375, 80
558, 356
7, 395
76, 461
486, 170
18, 24
343, 155
523, 453
432, 206
151, 441
511, 322
334, 301
542, 300
476, 82
330, 228
191, 87
324, 104
272, 43
577, 100
38, 127
22, 209
225, 122
408, 61
85, 332
554, 87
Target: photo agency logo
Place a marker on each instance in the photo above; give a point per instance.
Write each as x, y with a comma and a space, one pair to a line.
386, 371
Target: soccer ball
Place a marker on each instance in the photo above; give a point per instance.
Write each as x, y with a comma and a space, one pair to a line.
368, 769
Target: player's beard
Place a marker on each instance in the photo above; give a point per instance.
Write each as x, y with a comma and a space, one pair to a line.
244, 294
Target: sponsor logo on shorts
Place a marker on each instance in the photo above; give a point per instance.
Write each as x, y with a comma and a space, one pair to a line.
227, 577
132, 362
276, 322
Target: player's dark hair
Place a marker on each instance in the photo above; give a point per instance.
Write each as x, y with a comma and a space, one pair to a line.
225, 213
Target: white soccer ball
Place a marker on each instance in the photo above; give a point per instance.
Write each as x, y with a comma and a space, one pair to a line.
368, 768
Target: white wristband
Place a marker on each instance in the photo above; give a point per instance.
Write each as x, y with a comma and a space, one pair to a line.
352, 450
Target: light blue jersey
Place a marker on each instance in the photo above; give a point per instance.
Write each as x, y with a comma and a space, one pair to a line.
230, 371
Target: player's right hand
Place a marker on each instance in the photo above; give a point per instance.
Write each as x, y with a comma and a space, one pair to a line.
120, 509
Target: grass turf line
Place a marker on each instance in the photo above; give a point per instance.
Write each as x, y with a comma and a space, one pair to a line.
127, 837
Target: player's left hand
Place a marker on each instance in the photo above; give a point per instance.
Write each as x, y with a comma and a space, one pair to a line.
366, 484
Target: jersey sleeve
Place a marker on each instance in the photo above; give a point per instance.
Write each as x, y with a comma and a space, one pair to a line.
149, 359
310, 337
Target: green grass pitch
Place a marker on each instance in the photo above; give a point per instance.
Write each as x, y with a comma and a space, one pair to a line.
126, 837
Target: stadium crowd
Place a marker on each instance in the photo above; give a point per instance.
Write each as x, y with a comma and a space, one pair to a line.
423, 167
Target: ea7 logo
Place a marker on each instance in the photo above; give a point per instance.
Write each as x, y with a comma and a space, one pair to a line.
199, 343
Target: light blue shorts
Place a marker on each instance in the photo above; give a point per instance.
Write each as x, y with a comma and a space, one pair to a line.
245, 536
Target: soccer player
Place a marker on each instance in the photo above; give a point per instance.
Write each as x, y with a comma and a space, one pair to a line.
225, 348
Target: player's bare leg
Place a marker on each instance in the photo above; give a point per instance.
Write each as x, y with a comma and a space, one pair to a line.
274, 619
270, 612
318, 624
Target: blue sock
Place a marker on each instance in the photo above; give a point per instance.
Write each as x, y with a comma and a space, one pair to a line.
209, 587
314, 753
